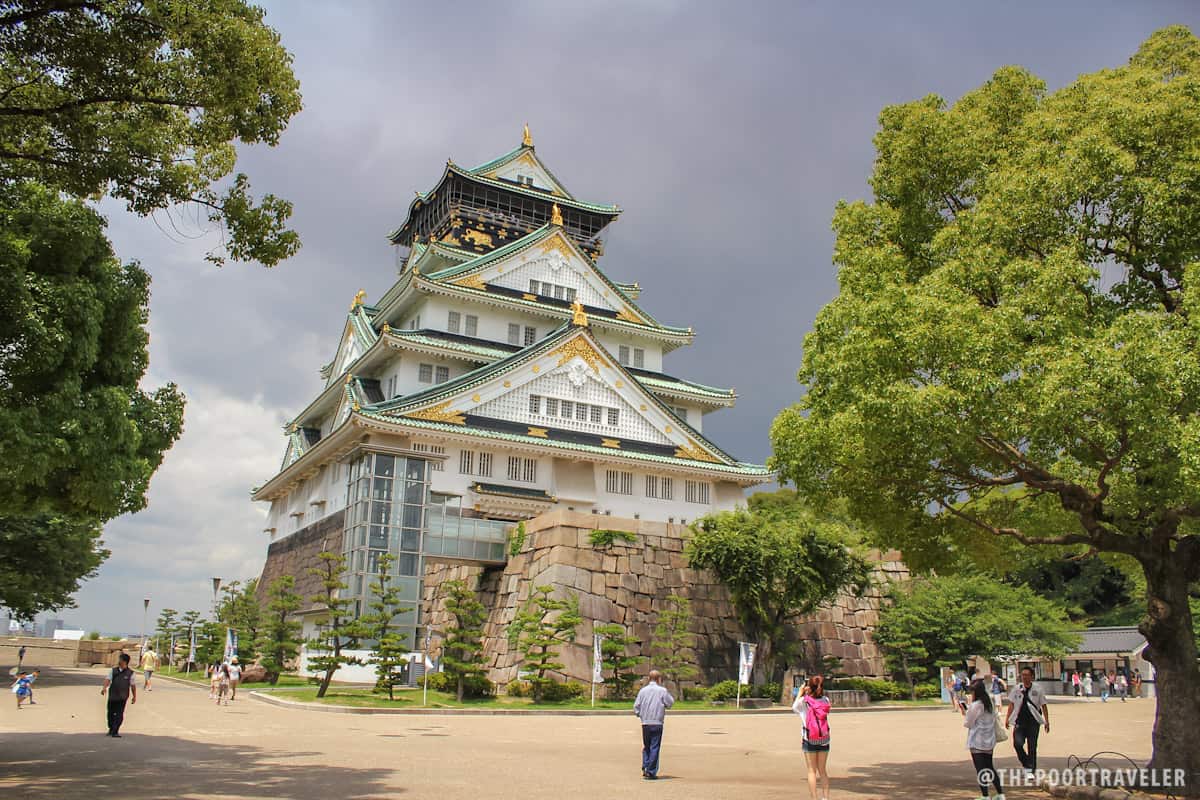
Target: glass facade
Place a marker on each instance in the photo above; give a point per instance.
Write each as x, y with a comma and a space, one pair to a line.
389, 509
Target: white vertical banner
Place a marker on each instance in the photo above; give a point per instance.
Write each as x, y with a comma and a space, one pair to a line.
192, 648
745, 661
230, 644
597, 659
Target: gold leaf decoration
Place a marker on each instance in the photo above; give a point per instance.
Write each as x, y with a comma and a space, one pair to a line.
478, 238
540, 433
507, 384
614, 443
628, 317
579, 347
536, 369
471, 282
694, 452
440, 413
557, 242
475, 398
528, 296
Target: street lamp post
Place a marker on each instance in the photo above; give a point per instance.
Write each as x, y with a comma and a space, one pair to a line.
145, 609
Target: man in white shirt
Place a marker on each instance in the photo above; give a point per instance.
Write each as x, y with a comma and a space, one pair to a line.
235, 675
1027, 713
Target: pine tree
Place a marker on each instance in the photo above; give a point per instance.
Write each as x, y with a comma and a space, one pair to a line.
541, 627
614, 652
671, 647
164, 627
338, 630
463, 647
279, 641
389, 653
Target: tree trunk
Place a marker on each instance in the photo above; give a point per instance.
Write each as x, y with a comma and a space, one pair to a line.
1172, 650
461, 686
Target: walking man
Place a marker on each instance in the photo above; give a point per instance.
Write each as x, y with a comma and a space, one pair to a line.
1027, 712
121, 682
651, 708
149, 664
21, 658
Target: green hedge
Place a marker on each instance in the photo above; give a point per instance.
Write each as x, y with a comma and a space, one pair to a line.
474, 686
728, 690
885, 690
695, 693
552, 693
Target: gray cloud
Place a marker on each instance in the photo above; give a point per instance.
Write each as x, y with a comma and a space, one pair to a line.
727, 132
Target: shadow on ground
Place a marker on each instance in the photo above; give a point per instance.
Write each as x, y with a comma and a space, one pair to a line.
90, 765
912, 780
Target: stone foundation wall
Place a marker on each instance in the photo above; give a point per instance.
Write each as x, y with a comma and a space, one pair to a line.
297, 553
628, 583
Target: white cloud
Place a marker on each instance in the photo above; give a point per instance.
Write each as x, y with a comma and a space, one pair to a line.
200, 522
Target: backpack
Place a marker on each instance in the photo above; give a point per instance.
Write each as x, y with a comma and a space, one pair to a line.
816, 721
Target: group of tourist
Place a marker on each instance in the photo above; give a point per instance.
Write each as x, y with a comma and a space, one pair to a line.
223, 681
1083, 684
1028, 715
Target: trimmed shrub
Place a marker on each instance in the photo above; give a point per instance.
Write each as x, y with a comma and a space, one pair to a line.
695, 692
876, 689
559, 692
519, 689
474, 686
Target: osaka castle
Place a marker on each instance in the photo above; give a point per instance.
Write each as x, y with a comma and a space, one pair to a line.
504, 374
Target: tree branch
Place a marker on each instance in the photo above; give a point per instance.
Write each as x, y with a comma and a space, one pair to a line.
1014, 533
101, 100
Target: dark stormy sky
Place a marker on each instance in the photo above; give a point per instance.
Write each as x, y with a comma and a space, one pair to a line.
726, 131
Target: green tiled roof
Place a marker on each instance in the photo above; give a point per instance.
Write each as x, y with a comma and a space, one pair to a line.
529, 240
740, 468
463, 383
512, 155
422, 337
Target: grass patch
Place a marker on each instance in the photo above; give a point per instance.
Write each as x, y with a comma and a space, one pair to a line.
198, 676
411, 698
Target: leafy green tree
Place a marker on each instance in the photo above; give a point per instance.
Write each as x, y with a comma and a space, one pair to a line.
389, 653
671, 648
79, 439
279, 636
615, 657
239, 608
147, 102
189, 621
44, 558
1013, 352
338, 629
776, 568
210, 642
463, 647
540, 628
940, 622
164, 628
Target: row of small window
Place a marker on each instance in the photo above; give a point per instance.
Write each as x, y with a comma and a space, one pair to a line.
479, 463
570, 409
428, 373
436, 465
619, 482
469, 323
552, 290
639, 356
519, 335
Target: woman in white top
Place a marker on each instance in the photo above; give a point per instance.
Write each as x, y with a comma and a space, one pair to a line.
979, 718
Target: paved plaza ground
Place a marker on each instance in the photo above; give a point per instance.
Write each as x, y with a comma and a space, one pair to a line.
176, 743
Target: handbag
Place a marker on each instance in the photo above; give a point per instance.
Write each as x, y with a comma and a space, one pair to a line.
1001, 731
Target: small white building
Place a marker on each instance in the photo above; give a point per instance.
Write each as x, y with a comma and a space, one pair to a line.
502, 375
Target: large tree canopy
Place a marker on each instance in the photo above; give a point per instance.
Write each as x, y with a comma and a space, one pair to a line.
145, 101
1015, 349
79, 439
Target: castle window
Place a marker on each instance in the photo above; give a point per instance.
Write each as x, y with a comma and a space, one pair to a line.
466, 462
514, 333
522, 469
651, 486
618, 482
695, 491
570, 298
391, 387
535, 404
472, 326
533, 287
452, 322
425, 373
623, 355
530, 334
614, 417
667, 489
639, 357
443, 374
597, 414
568, 408
551, 407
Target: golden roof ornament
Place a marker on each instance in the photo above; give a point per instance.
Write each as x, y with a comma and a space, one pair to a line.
387, 328
556, 216
526, 139
359, 298
580, 317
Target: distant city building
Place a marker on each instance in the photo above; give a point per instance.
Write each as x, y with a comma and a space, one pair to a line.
503, 375
49, 626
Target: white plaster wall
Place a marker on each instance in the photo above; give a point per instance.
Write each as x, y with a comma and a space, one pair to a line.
613, 341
